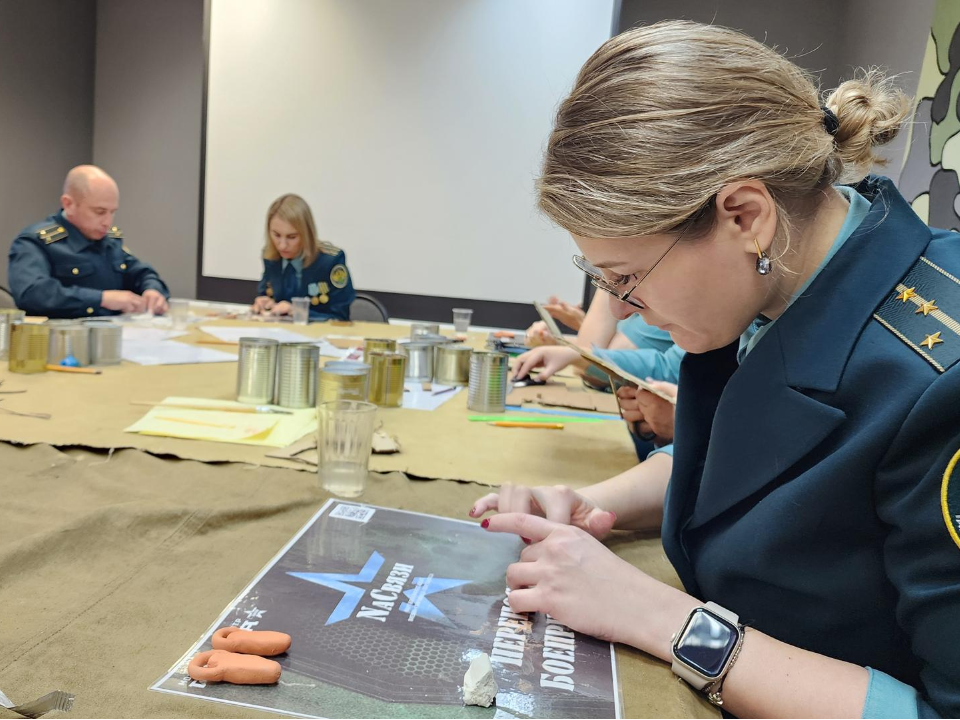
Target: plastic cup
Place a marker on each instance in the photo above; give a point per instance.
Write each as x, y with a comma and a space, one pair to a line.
301, 310
344, 435
461, 319
179, 313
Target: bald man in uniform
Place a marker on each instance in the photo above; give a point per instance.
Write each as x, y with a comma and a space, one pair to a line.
75, 264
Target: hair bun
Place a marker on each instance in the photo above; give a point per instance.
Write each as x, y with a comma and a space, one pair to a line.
870, 111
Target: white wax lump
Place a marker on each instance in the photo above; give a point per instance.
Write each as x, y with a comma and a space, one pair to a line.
479, 687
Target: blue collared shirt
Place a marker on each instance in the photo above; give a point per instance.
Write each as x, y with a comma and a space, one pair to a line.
297, 263
859, 207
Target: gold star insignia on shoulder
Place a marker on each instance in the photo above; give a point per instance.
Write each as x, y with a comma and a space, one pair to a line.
932, 340
52, 233
926, 308
906, 294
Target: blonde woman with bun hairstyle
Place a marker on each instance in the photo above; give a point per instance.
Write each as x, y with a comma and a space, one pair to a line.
813, 507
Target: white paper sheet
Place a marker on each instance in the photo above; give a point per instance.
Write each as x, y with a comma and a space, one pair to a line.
166, 352
134, 334
328, 349
233, 334
416, 398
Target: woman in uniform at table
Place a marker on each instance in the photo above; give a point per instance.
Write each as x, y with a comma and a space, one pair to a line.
296, 264
814, 496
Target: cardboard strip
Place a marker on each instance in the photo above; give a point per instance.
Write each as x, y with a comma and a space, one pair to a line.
615, 372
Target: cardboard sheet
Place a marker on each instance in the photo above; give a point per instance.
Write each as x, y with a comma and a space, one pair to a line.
305, 450
569, 396
112, 565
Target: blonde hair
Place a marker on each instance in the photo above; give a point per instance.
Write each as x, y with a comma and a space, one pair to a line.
662, 117
294, 210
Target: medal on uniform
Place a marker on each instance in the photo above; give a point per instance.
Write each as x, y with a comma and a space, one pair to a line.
324, 293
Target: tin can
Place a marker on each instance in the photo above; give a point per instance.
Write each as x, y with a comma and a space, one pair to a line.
8, 316
68, 338
257, 370
106, 342
297, 375
488, 381
419, 360
29, 344
372, 345
344, 381
452, 365
386, 378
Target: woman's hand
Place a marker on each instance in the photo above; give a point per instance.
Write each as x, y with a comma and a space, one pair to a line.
652, 413
537, 334
282, 308
572, 576
558, 504
570, 315
552, 358
262, 304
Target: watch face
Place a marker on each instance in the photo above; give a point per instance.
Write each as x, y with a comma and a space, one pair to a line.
706, 642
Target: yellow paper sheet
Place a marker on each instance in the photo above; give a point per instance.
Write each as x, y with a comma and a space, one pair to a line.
271, 430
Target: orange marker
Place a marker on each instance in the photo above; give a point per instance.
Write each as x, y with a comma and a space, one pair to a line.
79, 370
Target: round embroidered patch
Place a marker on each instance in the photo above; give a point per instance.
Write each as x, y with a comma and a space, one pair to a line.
338, 276
950, 500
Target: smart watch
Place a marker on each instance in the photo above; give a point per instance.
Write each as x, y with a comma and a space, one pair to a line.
706, 647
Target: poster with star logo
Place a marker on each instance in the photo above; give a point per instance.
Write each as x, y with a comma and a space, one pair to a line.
386, 609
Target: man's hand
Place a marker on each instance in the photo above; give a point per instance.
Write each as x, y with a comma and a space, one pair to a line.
282, 308
155, 302
262, 304
122, 301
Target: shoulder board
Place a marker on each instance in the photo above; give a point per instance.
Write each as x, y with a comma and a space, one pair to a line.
922, 311
52, 233
328, 249
115, 233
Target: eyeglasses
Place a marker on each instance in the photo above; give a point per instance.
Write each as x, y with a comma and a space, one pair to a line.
617, 287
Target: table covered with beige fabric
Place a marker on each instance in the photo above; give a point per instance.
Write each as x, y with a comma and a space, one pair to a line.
93, 410
113, 563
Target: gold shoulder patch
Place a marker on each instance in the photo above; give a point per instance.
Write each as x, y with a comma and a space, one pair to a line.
116, 233
950, 500
52, 233
923, 311
328, 248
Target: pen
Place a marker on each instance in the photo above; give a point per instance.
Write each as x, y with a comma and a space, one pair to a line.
532, 425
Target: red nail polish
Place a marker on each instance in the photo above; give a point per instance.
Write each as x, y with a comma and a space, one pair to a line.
485, 524
526, 540
613, 515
